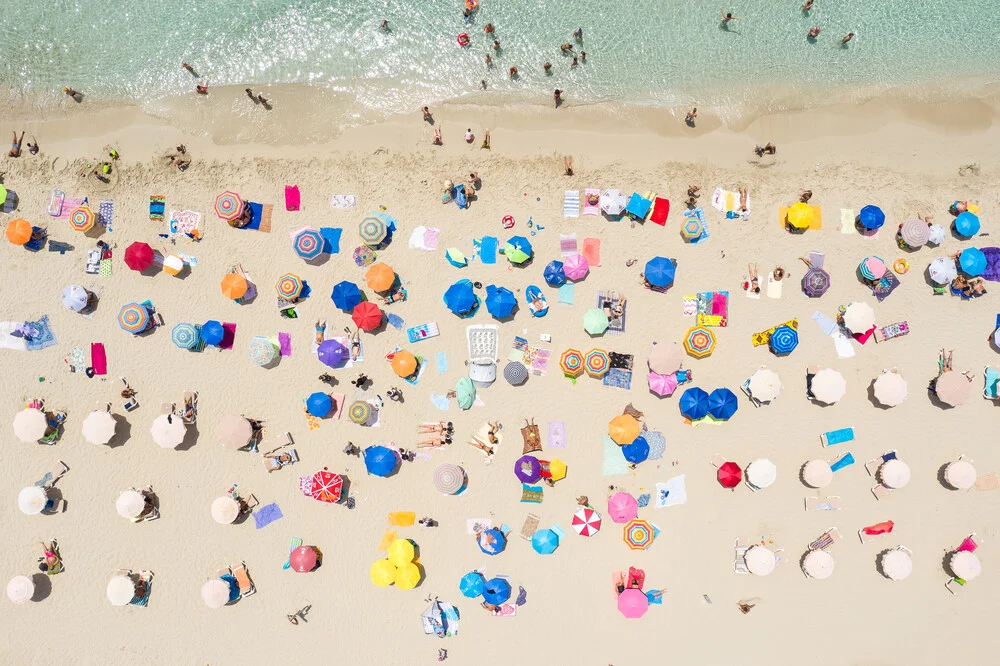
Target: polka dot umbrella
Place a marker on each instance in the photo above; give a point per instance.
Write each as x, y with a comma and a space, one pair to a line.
597, 363
571, 363
82, 218
289, 286
699, 341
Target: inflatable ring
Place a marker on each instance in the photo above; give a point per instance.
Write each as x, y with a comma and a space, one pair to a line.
508, 221
471, 5
463, 39
901, 266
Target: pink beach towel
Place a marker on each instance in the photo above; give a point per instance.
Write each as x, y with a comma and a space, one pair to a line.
588, 208
285, 344
557, 435
292, 197
592, 251
98, 358
230, 336
338, 404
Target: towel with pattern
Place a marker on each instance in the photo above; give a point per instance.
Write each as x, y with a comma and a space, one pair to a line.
41, 334
157, 204
571, 203
343, 201
891, 331
616, 325
105, 211
618, 378
567, 244
184, 221
699, 214
68, 205
764, 337
885, 286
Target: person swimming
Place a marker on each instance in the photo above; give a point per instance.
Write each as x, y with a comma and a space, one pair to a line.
728, 16
848, 37
488, 28
566, 48
578, 34
813, 32
513, 73
547, 67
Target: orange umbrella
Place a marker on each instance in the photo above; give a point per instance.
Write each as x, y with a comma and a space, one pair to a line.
19, 231
234, 286
380, 277
404, 364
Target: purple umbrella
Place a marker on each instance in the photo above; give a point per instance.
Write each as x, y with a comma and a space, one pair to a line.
527, 469
815, 282
332, 353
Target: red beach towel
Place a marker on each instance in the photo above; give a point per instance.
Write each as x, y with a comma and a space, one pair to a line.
230, 336
292, 198
661, 208
98, 358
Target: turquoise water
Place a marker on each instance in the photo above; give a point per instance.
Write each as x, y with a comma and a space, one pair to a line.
667, 52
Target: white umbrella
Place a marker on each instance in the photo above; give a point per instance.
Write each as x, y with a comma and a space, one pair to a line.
613, 202
818, 564
225, 510
894, 473
960, 474
168, 431
99, 427
130, 504
828, 386
953, 388
761, 473
215, 593
817, 474
965, 565
75, 297
897, 563
765, 385
943, 270
234, 432
32, 500
666, 358
936, 234
30, 425
20, 589
759, 560
859, 317
890, 388
121, 589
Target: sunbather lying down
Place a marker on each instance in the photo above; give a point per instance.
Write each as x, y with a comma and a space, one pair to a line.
276, 462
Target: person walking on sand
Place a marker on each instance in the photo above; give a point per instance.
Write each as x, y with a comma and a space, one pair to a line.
690, 116
428, 118
250, 94
486, 141
728, 16
767, 149
848, 37
261, 99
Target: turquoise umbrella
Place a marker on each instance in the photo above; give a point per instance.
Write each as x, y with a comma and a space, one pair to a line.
465, 393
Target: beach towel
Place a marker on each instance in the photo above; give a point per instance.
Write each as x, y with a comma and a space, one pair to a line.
292, 197
184, 221
157, 204
441, 362
312, 423
567, 244
557, 435
846, 221
671, 492
260, 217
540, 362
891, 331
77, 360
618, 378
331, 239
616, 325
661, 208
342, 201
56, 203
422, 332
531, 494
566, 293
842, 462
885, 286
104, 270
41, 334
285, 344
105, 212
8, 340
98, 358
229, 335
837, 436
571, 203
395, 321
589, 208
614, 462
773, 286
699, 214
267, 514
592, 251
440, 401
764, 337
488, 250
842, 344
338, 400
68, 205
712, 308
992, 272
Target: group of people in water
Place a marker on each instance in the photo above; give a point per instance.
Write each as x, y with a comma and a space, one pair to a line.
806, 8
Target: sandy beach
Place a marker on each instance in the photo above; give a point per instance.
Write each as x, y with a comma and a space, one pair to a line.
906, 158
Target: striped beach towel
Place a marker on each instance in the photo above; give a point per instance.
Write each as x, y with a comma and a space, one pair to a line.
67, 207
567, 244
616, 326
157, 205
56, 203
571, 203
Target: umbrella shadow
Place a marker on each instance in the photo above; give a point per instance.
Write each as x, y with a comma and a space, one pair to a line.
320, 260
123, 432
942, 479
190, 438
43, 587
872, 399
879, 558
935, 400
946, 563
56, 496
345, 489
802, 562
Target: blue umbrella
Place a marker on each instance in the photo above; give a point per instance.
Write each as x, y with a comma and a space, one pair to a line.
460, 298
380, 460
184, 336
722, 404
497, 591
472, 584
212, 332
637, 451
966, 224
554, 275
545, 542
500, 301
694, 404
784, 339
521, 243
973, 261
319, 404
346, 295
659, 272
872, 217
491, 541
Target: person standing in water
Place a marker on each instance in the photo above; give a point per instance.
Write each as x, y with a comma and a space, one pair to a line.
188, 68
557, 96
728, 16
848, 37
578, 34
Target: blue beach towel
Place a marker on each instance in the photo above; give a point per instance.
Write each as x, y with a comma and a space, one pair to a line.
42, 334
488, 250
395, 321
837, 436
441, 360
257, 211
267, 514
844, 461
331, 239
566, 293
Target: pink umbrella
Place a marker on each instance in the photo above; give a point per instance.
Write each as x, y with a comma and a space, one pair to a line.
622, 507
662, 385
303, 559
575, 267
632, 603
876, 266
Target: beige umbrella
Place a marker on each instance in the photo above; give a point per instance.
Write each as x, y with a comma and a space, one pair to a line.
897, 563
818, 564
761, 473
20, 589
225, 510
32, 500
99, 427
960, 475
817, 474
168, 431
666, 358
759, 560
130, 504
953, 388
234, 432
765, 385
215, 593
30, 425
894, 473
121, 589
890, 388
828, 386
858, 317
965, 565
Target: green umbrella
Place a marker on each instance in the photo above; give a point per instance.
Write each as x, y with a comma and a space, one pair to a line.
515, 254
595, 321
3, 195
465, 392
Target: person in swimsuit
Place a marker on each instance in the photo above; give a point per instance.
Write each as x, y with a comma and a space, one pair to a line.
813, 32
767, 149
496, 45
547, 67
728, 16
33, 147
201, 88
50, 562
512, 73
320, 331
557, 96
488, 28
848, 37
489, 62
806, 7
355, 340
72, 93
566, 48
187, 67
583, 56
436, 141
805, 196
568, 164
15, 145
754, 278
250, 94
469, 136
486, 141
578, 34
690, 116
384, 25
427, 115
492, 432
261, 99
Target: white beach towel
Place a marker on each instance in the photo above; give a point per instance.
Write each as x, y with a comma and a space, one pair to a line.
846, 221
817, 259
567, 244
342, 201
671, 493
843, 345
424, 239
571, 203
9, 341
728, 202
773, 286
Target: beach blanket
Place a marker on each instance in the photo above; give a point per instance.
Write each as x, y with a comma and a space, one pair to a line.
532, 494
773, 286
571, 203
423, 238
712, 308
41, 335
992, 272
105, 212
56, 203
846, 221
557, 435
699, 214
567, 244
8, 340
616, 325
589, 208
565, 293
228, 336
422, 332
764, 337
267, 514
671, 493
488, 250
260, 218
441, 362
614, 461
536, 359
338, 399
184, 222
891, 331
98, 358
618, 378
661, 208
285, 344
817, 222
331, 239
885, 286
342, 201
726, 201
67, 207
293, 197
157, 204
592, 251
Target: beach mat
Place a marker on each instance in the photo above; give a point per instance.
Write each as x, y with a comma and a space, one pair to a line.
292, 197
260, 219
567, 244
98, 358
157, 206
992, 272
105, 213
588, 208
592, 251
285, 344
229, 335
661, 208
331, 239
56, 203
488, 250
846, 221
571, 203
343, 201
43, 335
557, 435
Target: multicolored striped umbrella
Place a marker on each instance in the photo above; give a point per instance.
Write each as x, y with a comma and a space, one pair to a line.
692, 229
82, 218
597, 363
262, 351
571, 362
289, 286
372, 231
449, 479
184, 336
815, 282
228, 205
872, 268
699, 341
638, 534
308, 244
133, 318
915, 233
360, 412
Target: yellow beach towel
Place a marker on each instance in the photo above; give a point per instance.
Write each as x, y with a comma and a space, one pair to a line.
764, 337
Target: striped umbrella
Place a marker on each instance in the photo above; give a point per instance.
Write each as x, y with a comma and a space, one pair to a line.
872, 268
638, 534
372, 231
82, 218
228, 205
586, 522
289, 286
784, 340
133, 318
515, 373
692, 229
571, 362
308, 244
915, 232
184, 336
449, 479
597, 363
262, 351
360, 412
699, 341
815, 282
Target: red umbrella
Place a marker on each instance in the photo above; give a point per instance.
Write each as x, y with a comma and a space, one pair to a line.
303, 559
730, 475
326, 486
139, 256
367, 316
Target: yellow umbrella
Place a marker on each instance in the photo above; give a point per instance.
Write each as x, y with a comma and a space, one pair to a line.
401, 552
623, 429
407, 576
382, 573
800, 215
557, 468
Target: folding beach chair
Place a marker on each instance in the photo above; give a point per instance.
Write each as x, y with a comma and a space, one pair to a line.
991, 378
837, 436
745, 387
243, 579
147, 578
827, 539
739, 556
50, 477
872, 465
831, 503
881, 491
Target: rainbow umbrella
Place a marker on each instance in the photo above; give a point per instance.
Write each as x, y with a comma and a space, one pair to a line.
571, 362
692, 229
228, 205
638, 534
699, 341
360, 412
308, 244
372, 231
597, 363
184, 336
289, 286
82, 218
262, 351
133, 318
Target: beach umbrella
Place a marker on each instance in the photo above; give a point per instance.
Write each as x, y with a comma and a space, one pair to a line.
694, 403
622, 507
953, 388
800, 215
699, 342
380, 460
401, 552
915, 233
691, 228
554, 274
636, 451
372, 231
872, 268
456, 257
460, 298
897, 564
623, 429
472, 584
633, 603
665, 358
346, 295
449, 479
99, 427
936, 234
871, 217
817, 474
659, 272
366, 316
638, 534
662, 385
828, 386
234, 286
765, 385
965, 565
319, 404
722, 404
595, 321
517, 250
168, 431
380, 277
586, 522
815, 282
326, 486
20, 589
32, 500
557, 469
82, 218
783, 340
225, 510
212, 332
307, 243
75, 298
465, 393
760, 561
729, 474
133, 318
234, 432
576, 267
761, 473
216, 592
496, 592
121, 590
289, 286
527, 469
890, 389
491, 541
571, 362
613, 202
545, 542
894, 473
404, 363
960, 474
364, 255
19, 231
858, 317
30, 424
360, 412
139, 256
303, 559
942, 270
262, 351
228, 205
407, 576
966, 224
597, 363
500, 301
973, 261
332, 353
818, 564
515, 373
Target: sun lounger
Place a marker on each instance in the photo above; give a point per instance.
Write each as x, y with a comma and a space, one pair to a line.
881, 492
987, 482
529, 527
831, 503
957, 580
276, 462
190, 397
837, 436
745, 387
718, 460
991, 379
872, 465
243, 579
827, 539
293, 543
739, 556
50, 477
